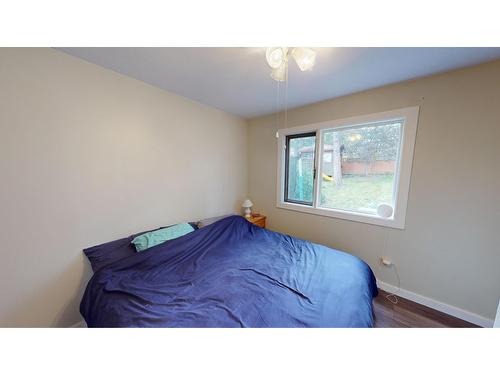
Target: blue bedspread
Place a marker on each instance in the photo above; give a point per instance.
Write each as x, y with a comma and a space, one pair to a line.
232, 274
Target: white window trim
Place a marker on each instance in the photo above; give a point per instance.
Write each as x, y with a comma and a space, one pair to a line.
403, 172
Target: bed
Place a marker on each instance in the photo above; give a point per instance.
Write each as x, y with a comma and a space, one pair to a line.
231, 274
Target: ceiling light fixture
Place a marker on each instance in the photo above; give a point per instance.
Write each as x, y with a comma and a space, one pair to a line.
277, 58
304, 57
280, 74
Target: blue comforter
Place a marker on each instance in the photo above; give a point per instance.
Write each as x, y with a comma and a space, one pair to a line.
232, 274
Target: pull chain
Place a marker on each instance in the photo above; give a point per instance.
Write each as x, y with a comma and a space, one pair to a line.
277, 109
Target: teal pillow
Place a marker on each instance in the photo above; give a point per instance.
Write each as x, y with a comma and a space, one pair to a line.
156, 237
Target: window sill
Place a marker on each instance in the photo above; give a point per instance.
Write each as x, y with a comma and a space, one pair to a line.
394, 222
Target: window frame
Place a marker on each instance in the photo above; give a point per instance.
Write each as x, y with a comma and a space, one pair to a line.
287, 169
408, 116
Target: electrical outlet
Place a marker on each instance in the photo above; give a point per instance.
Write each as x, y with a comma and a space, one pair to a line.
386, 261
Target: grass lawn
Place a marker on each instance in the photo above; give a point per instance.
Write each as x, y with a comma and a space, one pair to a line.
359, 193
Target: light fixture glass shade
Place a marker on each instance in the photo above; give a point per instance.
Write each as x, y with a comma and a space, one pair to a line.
280, 74
276, 56
247, 203
304, 57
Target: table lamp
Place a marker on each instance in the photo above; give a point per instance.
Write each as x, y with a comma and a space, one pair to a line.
246, 205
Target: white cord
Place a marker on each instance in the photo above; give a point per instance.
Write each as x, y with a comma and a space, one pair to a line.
286, 95
278, 107
278, 102
392, 297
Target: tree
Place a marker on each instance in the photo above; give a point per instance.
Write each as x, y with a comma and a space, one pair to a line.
372, 143
336, 159
366, 144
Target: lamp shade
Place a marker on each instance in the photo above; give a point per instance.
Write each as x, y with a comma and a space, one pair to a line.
304, 57
247, 203
280, 74
276, 56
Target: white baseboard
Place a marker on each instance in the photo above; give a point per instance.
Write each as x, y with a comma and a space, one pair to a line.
437, 305
80, 324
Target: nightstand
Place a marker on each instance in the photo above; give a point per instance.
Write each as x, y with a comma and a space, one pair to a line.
259, 220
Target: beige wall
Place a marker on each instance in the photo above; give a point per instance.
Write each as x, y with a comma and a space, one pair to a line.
450, 249
87, 156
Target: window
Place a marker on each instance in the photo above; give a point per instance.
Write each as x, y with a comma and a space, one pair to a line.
350, 168
299, 168
358, 167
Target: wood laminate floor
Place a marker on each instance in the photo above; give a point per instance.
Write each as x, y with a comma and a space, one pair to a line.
409, 314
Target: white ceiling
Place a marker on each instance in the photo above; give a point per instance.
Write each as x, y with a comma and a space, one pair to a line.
236, 80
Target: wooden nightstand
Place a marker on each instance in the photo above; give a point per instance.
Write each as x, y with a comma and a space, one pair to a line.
259, 220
